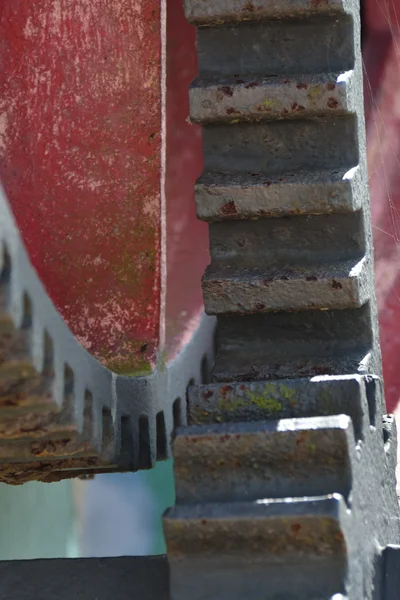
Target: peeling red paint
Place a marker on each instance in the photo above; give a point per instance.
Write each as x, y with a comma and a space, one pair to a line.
80, 160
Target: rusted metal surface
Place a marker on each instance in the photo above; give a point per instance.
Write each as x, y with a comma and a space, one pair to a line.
293, 292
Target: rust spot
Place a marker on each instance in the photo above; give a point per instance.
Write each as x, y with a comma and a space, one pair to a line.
301, 438
297, 107
228, 209
49, 446
302, 86
336, 285
286, 81
239, 81
237, 463
225, 438
267, 183
319, 2
330, 86
260, 306
312, 278
284, 278
226, 389
208, 394
204, 521
242, 387
332, 102
227, 90
267, 281
251, 84
248, 7
296, 528
323, 370
238, 436
285, 111
232, 111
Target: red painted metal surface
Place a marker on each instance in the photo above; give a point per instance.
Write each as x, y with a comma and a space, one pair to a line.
187, 238
81, 159
382, 93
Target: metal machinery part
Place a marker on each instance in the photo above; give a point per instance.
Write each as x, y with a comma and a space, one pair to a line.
285, 476
62, 414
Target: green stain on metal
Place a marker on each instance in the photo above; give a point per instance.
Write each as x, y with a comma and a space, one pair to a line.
272, 104
314, 93
269, 399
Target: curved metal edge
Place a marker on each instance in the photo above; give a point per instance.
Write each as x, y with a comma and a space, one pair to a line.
143, 410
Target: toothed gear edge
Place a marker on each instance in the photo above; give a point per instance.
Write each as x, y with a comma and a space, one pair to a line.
285, 474
62, 413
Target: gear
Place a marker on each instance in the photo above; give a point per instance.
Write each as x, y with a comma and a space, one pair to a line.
285, 476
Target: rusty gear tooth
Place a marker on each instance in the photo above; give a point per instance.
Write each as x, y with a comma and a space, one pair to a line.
232, 196
285, 192
237, 462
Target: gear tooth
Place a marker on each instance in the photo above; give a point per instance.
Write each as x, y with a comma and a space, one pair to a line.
242, 402
260, 546
274, 459
234, 196
211, 12
267, 99
251, 290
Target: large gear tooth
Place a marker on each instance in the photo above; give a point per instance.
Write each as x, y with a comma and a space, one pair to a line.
252, 528
236, 550
232, 196
260, 99
212, 12
245, 289
287, 399
268, 459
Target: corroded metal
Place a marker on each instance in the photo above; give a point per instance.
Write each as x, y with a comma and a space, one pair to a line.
285, 474
62, 413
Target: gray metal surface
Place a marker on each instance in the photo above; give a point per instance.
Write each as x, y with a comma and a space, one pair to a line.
63, 414
285, 474
123, 578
